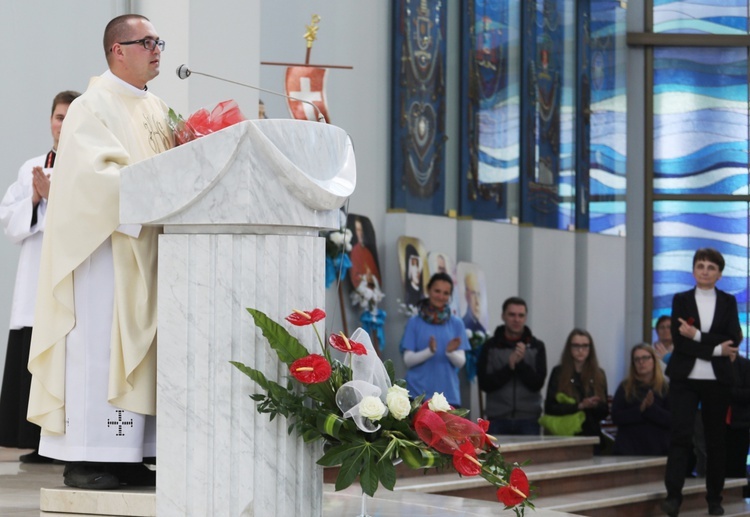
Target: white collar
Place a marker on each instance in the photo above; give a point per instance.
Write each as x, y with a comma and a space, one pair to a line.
130, 87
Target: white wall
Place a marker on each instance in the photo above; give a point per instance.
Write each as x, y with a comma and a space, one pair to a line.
49, 46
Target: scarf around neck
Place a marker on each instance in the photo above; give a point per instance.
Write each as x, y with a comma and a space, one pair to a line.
432, 314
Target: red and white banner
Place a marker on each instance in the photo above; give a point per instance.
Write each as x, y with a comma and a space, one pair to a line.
306, 83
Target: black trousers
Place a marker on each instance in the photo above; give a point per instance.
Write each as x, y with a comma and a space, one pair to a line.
15, 430
738, 441
685, 395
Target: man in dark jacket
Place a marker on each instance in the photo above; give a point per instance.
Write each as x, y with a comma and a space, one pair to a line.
511, 369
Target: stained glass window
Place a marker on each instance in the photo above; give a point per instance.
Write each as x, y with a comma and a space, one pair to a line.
607, 131
700, 121
490, 109
701, 16
418, 106
549, 102
680, 228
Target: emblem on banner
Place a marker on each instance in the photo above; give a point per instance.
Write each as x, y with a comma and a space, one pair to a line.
306, 83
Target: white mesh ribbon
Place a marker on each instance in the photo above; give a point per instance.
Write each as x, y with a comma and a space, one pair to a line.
349, 397
369, 379
369, 367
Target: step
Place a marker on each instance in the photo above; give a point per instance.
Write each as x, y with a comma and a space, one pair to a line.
538, 449
731, 509
549, 478
609, 501
546, 449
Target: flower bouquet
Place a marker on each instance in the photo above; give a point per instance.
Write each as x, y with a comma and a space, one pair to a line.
203, 122
366, 418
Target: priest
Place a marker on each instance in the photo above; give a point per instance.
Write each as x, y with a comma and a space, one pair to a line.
93, 351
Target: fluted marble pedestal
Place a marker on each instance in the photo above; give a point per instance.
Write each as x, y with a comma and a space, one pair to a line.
241, 211
216, 454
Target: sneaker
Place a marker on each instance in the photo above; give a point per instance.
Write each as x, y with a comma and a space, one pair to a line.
89, 476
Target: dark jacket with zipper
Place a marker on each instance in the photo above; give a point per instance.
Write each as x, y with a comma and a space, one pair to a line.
512, 393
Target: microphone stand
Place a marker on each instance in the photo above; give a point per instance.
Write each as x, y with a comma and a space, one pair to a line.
187, 73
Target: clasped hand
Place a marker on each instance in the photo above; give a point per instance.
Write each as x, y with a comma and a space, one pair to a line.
589, 402
453, 344
40, 184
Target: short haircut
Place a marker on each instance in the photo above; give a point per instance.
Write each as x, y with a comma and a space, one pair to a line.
710, 255
662, 319
117, 29
514, 300
65, 97
442, 277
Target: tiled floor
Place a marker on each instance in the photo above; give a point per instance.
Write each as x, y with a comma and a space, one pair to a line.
20, 483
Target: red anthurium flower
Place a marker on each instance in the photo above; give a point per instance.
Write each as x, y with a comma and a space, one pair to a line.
343, 343
465, 460
302, 318
517, 489
311, 369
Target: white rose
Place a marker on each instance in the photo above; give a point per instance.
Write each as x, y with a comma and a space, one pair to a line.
397, 390
438, 403
398, 402
372, 408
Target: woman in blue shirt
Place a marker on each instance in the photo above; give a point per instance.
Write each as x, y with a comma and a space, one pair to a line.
434, 344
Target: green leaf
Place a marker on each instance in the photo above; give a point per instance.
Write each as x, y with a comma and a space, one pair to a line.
386, 473
287, 347
329, 424
368, 478
336, 455
311, 435
390, 370
254, 374
351, 467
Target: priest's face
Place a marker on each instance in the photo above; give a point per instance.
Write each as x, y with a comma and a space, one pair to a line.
134, 63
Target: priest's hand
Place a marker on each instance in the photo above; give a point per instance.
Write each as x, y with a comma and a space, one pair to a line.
40, 183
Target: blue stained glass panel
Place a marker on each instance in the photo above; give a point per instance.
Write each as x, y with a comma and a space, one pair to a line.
680, 228
700, 121
418, 106
701, 16
608, 113
548, 109
490, 132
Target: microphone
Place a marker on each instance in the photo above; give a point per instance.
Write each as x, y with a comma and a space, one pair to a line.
183, 72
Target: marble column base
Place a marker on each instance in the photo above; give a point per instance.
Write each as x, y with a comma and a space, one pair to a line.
216, 455
135, 503
71, 501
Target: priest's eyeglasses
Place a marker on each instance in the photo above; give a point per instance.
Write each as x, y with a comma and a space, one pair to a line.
148, 43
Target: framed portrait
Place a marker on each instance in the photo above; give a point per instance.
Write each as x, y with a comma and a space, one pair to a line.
470, 294
364, 253
412, 259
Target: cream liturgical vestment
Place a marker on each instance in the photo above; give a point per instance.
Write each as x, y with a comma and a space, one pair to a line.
93, 351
